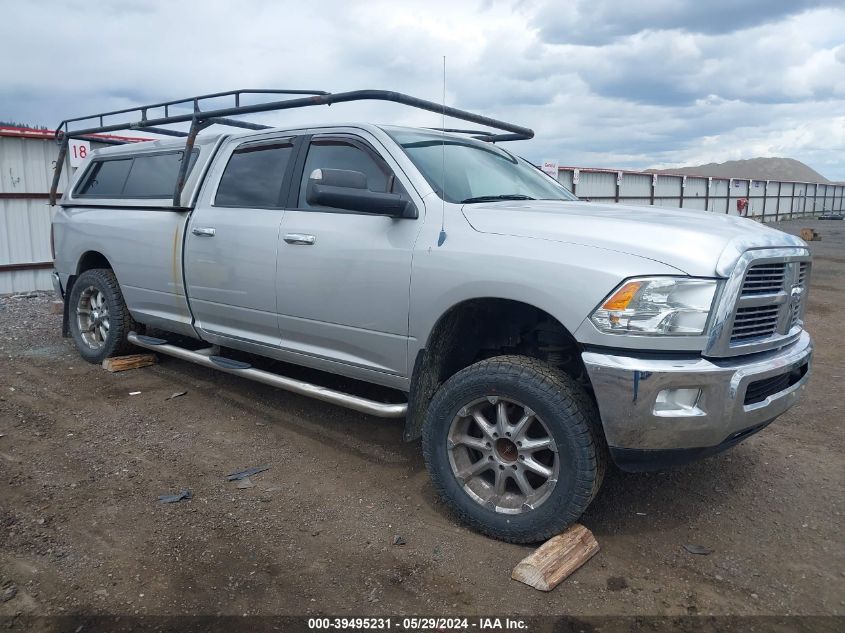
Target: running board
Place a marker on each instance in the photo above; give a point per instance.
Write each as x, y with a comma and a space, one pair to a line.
245, 370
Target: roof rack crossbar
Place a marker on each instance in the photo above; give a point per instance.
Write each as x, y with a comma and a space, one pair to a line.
165, 131
202, 118
236, 123
479, 134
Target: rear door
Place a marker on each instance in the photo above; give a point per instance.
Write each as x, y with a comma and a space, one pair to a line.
232, 241
344, 276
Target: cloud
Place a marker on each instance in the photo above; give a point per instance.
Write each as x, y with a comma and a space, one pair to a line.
597, 22
775, 63
607, 84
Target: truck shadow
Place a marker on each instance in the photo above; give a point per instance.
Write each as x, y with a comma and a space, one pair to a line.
641, 503
376, 440
628, 503
634, 503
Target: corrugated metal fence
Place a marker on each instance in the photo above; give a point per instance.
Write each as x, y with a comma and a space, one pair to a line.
27, 161
25, 173
768, 200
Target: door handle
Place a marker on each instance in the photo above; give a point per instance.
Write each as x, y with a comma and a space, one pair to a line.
300, 238
203, 231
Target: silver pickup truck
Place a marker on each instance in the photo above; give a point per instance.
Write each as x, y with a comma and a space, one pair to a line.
528, 335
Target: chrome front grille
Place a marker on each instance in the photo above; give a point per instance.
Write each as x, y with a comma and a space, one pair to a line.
763, 302
764, 279
771, 301
798, 306
755, 322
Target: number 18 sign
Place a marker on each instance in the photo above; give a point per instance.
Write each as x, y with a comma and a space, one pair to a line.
78, 151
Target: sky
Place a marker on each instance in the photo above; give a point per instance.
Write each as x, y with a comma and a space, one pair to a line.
604, 83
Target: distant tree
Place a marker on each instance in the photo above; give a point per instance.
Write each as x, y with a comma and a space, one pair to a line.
19, 124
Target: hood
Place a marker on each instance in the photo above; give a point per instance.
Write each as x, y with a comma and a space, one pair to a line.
699, 243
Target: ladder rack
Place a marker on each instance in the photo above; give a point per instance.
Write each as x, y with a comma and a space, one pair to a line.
150, 118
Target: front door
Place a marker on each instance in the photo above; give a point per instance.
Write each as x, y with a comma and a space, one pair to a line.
344, 277
232, 243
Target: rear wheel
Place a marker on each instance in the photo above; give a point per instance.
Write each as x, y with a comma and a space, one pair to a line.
98, 317
513, 446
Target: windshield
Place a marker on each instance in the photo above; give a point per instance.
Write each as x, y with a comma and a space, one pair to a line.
468, 171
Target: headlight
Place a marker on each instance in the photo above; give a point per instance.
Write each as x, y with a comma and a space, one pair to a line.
657, 305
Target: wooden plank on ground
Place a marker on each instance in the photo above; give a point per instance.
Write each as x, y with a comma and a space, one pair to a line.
133, 361
810, 235
557, 558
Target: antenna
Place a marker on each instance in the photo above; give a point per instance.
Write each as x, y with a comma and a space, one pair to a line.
442, 237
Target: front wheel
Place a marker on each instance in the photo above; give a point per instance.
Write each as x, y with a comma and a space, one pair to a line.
513, 445
98, 317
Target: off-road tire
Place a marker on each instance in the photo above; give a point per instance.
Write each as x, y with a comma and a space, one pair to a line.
567, 411
120, 321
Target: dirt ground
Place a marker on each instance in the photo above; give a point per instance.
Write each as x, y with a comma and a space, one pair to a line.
82, 462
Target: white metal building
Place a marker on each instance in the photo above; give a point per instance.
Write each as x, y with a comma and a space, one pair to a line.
27, 160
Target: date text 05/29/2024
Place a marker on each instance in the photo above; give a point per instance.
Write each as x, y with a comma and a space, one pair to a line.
418, 624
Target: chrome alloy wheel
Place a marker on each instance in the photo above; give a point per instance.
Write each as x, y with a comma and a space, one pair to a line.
92, 317
503, 455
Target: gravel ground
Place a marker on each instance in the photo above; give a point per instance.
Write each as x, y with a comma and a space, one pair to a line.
82, 462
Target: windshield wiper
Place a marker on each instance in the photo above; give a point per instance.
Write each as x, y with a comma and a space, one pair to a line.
504, 196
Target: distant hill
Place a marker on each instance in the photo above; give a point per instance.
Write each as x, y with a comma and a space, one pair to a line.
774, 168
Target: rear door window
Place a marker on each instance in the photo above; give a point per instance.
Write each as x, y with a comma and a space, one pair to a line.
254, 175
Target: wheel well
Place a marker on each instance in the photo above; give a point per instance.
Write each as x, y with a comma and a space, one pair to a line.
482, 328
92, 259
89, 260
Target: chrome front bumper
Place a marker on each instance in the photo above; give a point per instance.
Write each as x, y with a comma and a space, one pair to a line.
627, 390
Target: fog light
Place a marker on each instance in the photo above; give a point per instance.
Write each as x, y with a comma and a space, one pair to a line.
672, 402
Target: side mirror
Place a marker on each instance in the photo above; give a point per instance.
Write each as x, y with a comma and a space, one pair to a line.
347, 189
